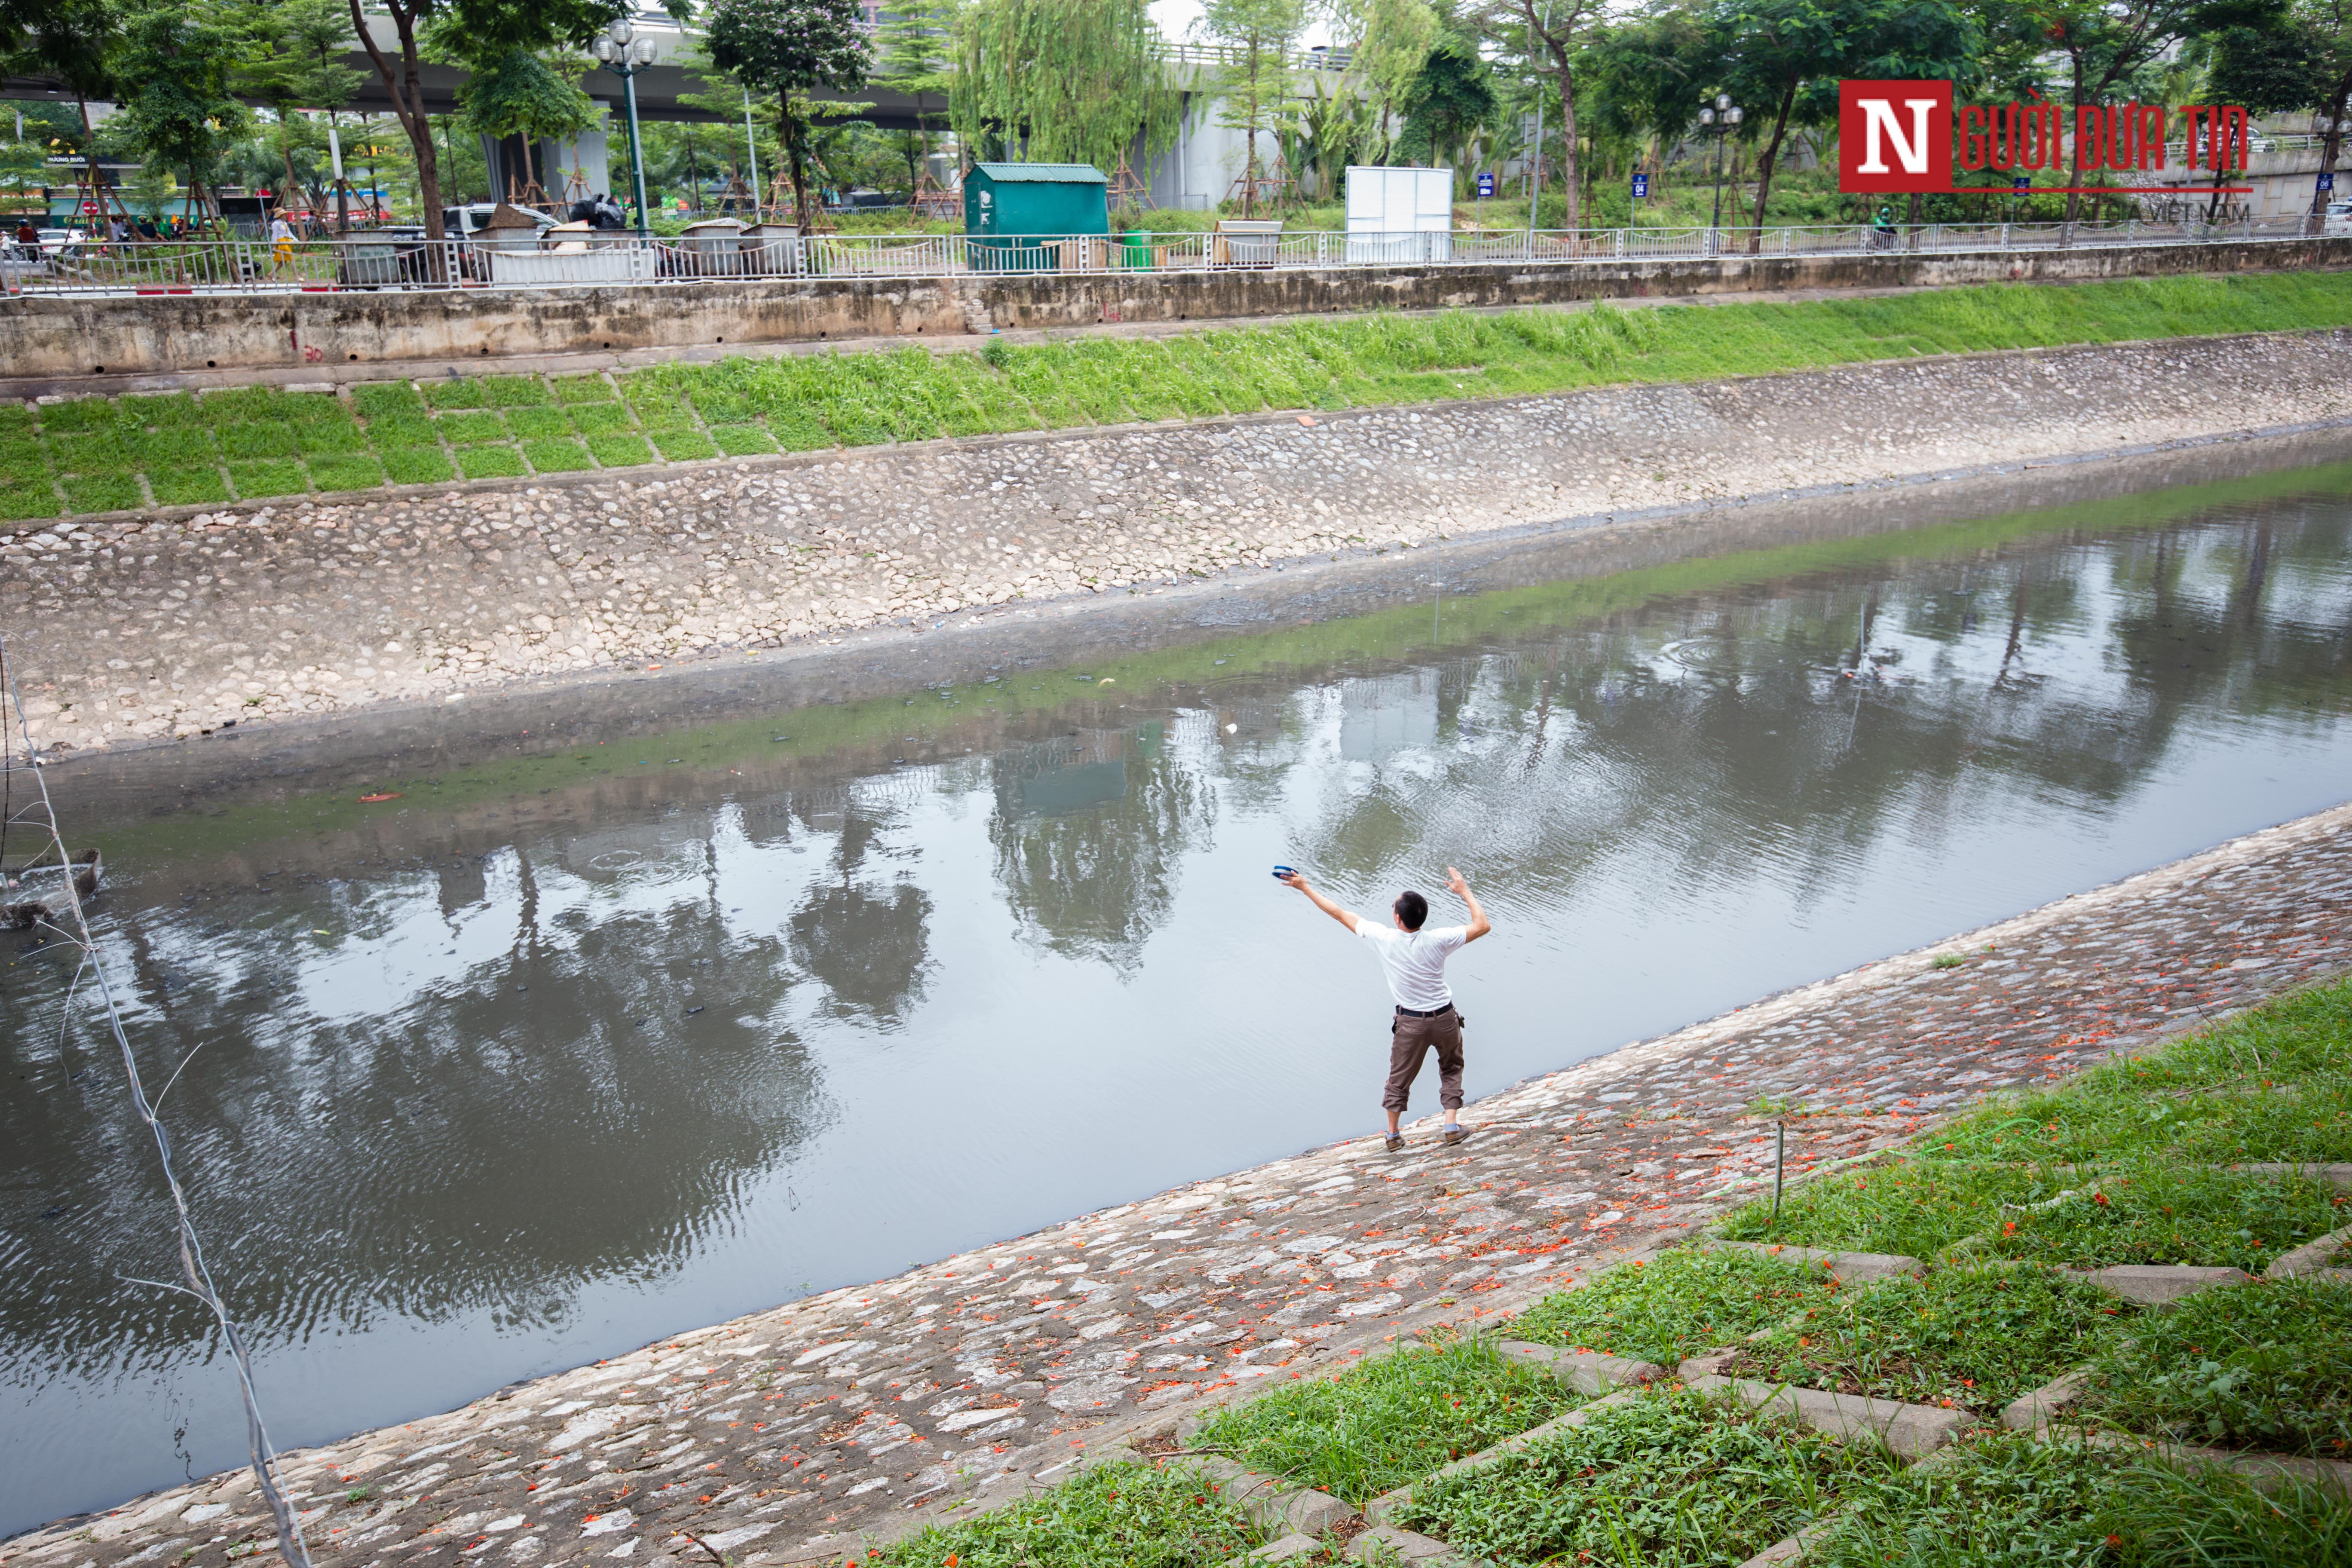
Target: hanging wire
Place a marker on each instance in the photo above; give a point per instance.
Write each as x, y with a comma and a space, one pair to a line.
39, 815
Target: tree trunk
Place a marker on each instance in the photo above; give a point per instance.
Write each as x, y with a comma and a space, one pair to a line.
796, 165
1572, 213
89, 155
1765, 165
404, 87
2075, 160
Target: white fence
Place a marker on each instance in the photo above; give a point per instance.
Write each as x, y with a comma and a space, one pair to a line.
376, 262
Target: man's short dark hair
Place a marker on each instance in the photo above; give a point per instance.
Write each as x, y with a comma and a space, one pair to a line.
1411, 908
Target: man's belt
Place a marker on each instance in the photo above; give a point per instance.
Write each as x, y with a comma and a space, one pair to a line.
1417, 1012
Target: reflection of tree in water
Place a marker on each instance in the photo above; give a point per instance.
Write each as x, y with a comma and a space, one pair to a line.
511, 1131
1088, 836
2042, 668
868, 944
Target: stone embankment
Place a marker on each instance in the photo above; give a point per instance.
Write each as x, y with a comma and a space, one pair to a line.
802, 1433
151, 629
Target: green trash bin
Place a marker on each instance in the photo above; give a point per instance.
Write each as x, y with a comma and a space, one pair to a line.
1136, 249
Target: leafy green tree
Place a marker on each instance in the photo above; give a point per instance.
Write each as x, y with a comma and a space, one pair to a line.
790, 48
179, 64
489, 28
1257, 36
1454, 95
918, 43
2301, 60
1387, 42
74, 42
1552, 36
296, 63
517, 92
2103, 43
1061, 81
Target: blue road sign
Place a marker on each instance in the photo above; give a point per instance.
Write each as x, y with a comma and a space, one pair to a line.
2022, 182
2326, 179
1485, 185
1640, 187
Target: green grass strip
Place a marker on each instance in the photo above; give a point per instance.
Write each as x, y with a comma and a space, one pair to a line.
193, 486
1672, 1478
2274, 1083
621, 451
347, 473
273, 477
2007, 1501
2164, 1212
1967, 1338
104, 492
1391, 1420
419, 466
2263, 1366
747, 407
558, 457
540, 424
23, 501
1683, 1304
490, 462
1132, 1516
1917, 1208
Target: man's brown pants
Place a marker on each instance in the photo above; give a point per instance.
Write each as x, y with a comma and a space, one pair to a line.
1408, 1046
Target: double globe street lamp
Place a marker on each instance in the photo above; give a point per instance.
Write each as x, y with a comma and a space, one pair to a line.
626, 56
1722, 117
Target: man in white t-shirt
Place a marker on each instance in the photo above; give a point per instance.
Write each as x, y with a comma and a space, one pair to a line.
1414, 959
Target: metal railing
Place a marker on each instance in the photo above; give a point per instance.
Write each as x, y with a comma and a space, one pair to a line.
377, 262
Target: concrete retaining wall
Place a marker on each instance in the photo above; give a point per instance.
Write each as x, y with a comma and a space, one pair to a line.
66, 336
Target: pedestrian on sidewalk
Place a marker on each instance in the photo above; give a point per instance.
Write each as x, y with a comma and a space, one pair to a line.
1413, 959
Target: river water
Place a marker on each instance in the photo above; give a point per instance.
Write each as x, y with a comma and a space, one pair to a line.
554, 1053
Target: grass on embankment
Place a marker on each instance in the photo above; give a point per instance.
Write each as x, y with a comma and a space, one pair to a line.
1390, 1421
1669, 1476
2128, 1163
96, 455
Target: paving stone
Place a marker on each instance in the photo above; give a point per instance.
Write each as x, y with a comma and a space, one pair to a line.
2311, 1258
2043, 1406
127, 629
2156, 1284
1846, 1267
1911, 1431
866, 1411
1587, 1371
1387, 1544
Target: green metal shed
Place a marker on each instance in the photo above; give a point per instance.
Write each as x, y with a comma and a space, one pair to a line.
1006, 203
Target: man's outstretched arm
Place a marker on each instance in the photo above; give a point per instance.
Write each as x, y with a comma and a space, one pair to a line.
1479, 925
1326, 905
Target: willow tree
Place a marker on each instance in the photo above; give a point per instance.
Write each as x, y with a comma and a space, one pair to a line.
1062, 82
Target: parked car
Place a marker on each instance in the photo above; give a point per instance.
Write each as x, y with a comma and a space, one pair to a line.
62, 242
2338, 219
466, 222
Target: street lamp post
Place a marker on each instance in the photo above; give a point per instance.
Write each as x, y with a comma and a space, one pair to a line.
1722, 116
626, 54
